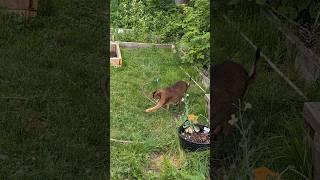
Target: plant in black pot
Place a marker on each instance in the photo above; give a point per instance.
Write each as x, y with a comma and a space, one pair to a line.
193, 136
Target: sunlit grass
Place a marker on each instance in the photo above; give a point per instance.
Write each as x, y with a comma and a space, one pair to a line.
154, 134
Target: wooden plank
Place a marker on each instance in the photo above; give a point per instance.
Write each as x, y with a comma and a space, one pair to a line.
24, 13
311, 113
205, 81
15, 4
115, 61
20, 4
34, 5
21, 7
144, 45
316, 156
207, 98
306, 61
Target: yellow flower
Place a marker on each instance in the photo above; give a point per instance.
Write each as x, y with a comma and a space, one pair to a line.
262, 173
193, 118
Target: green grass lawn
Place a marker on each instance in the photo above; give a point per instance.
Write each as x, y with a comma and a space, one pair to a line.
52, 113
155, 152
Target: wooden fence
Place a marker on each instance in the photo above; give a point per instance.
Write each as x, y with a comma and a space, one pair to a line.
22, 7
311, 110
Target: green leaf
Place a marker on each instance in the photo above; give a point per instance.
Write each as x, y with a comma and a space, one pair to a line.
186, 126
261, 2
196, 128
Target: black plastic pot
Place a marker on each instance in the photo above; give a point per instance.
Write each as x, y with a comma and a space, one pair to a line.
192, 146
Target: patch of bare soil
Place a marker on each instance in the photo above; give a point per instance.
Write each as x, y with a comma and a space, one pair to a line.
177, 115
157, 161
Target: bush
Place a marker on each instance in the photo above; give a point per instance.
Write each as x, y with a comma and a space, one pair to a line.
162, 21
196, 39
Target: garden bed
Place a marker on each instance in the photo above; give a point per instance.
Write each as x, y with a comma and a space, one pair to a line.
21, 7
145, 45
115, 55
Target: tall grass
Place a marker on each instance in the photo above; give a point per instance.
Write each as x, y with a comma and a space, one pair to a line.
52, 113
277, 133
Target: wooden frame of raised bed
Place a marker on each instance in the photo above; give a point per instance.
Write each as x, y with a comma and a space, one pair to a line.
145, 45
311, 113
21, 7
306, 61
205, 81
207, 98
115, 54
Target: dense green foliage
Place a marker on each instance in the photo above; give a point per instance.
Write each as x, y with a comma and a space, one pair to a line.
165, 22
302, 11
292, 8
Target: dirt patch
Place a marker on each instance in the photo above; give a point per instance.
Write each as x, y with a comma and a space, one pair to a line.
176, 115
157, 159
156, 162
175, 161
197, 137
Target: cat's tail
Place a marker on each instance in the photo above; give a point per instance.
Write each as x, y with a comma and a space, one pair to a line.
252, 75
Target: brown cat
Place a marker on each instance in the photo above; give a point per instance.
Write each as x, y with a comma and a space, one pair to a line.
170, 95
229, 83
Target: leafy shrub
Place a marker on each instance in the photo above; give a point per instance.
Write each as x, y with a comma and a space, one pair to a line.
162, 21
196, 39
